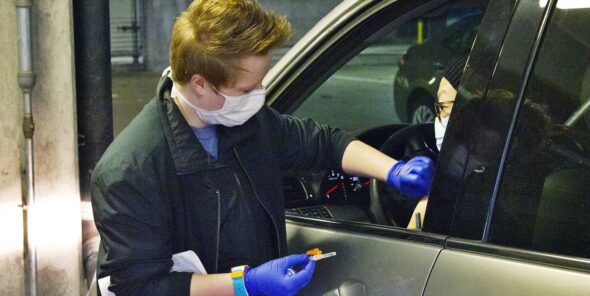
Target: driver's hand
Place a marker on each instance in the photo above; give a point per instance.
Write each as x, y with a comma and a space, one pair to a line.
412, 178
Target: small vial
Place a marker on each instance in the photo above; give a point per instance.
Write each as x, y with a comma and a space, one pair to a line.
322, 256
317, 257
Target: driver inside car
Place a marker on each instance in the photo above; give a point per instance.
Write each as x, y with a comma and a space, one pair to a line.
445, 98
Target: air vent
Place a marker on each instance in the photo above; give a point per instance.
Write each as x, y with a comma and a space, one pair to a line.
295, 193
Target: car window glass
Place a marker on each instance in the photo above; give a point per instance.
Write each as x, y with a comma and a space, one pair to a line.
543, 202
394, 79
462, 37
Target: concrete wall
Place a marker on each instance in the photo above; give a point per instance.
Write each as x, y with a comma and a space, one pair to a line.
56, 178
160, 16
11, 143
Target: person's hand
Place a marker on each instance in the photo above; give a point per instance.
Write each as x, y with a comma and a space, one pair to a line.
273, 278
412, 178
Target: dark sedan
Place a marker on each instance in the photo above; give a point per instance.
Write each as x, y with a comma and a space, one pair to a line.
418, 77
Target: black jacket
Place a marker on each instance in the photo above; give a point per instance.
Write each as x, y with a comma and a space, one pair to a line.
151, 199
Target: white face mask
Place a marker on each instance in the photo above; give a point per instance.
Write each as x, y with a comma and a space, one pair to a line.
440, 127
235, 110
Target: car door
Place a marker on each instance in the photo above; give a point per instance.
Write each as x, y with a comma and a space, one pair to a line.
521, 224
342, 74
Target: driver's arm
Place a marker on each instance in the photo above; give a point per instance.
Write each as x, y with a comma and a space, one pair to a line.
411, 178
360, 159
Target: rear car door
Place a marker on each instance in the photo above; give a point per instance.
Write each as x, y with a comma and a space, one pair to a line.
343, 75
521, 222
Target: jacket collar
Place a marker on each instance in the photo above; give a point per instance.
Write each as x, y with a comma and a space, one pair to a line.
188, 154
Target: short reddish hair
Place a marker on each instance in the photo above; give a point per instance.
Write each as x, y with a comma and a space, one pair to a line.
210, 37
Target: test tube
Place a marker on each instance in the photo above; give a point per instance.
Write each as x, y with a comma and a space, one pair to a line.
317, 257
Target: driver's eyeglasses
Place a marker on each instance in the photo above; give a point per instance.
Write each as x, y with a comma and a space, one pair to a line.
443, 108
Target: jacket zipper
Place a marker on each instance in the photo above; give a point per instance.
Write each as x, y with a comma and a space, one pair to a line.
260, 201
218, 229
237, 180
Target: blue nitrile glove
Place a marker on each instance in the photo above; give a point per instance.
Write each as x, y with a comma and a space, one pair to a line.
412, 178
272, 278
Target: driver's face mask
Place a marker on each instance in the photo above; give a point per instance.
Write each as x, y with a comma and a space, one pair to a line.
235, 110
440, 127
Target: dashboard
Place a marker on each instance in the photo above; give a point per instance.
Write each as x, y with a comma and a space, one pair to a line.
330, 195
333, 194
340, 188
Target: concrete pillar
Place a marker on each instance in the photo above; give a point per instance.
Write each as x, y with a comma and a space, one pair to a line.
56, 177
11, 151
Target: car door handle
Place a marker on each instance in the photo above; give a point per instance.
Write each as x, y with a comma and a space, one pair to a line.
349, 288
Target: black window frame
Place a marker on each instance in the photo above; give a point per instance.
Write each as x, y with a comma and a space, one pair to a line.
479, 188
478, 74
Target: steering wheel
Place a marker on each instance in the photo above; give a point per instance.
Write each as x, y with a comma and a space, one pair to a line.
387, 205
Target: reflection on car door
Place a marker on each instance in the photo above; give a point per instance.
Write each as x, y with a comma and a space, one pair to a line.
504, 223
367, 262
